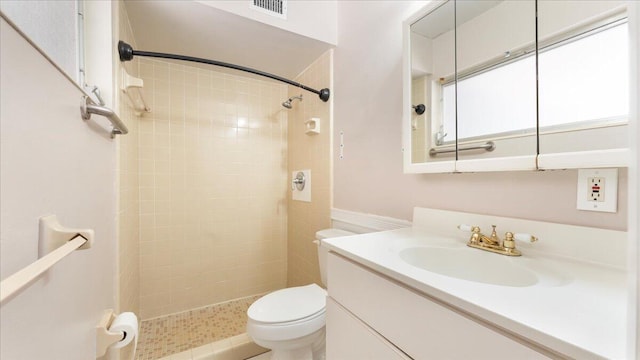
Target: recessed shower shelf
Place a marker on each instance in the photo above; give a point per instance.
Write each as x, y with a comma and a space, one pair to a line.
132, 87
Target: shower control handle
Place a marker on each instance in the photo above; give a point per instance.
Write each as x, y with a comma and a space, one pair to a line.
298, 181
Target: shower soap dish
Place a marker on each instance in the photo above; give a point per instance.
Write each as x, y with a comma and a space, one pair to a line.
132, 87
312, 126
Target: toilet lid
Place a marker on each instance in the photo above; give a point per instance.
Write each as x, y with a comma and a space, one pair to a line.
288, 304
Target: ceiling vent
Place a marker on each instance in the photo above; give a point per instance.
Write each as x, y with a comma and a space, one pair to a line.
277, 8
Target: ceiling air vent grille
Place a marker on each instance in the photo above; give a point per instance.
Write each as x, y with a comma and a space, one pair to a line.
277, 8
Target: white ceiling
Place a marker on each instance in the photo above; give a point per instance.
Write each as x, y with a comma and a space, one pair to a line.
194, 29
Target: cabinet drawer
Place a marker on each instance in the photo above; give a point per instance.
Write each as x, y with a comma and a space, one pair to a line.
348, 338
422, 328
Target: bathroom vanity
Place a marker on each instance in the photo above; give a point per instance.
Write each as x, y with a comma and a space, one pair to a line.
421, 293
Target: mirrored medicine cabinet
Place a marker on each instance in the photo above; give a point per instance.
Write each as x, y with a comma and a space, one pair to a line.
491, 86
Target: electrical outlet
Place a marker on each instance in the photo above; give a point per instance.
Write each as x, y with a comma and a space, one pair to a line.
598, 190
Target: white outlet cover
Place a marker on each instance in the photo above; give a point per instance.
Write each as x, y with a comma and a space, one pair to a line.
610, 190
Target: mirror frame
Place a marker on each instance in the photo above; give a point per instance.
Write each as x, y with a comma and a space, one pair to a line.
617, 157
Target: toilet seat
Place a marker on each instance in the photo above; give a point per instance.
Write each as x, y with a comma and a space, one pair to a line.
286, 331
288, 304
288, 313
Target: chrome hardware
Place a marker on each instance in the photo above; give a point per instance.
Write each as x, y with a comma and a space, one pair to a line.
439, 136
493, 243
87, 108
298, 181
488, 146
96, 91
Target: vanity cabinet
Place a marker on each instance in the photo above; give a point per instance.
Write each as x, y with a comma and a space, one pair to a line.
354, 339
386, 319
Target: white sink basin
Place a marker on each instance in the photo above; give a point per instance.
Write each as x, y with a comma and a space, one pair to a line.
471, 265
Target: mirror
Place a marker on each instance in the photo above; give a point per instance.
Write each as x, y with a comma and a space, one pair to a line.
473, 65
583, 82
432, 60
495, 79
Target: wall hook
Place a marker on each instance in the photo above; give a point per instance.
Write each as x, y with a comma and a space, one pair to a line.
420, 108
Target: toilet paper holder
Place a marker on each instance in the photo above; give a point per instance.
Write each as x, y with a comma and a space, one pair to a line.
105, 337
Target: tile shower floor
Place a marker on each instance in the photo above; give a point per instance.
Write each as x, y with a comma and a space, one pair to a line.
175, 333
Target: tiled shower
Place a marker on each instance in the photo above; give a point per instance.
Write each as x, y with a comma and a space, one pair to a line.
212, 173
204, 187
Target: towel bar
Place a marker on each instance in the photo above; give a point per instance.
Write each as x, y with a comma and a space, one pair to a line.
22, 278
488, 146
87, 108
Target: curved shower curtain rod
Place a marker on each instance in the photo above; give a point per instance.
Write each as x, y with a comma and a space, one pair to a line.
127, 53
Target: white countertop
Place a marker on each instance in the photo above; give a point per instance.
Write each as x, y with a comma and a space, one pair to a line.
581, 316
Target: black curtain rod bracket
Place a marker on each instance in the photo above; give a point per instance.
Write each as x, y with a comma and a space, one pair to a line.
127, 53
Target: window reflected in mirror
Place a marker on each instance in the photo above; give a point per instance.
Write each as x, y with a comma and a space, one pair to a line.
583, 76
495, 78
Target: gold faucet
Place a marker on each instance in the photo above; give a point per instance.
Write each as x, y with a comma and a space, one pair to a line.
493, 243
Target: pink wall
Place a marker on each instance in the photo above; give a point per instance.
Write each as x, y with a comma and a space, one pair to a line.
52, 162
368, 109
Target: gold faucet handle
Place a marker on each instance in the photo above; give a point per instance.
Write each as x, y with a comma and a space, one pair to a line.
473, 229
525, 237
469, 228
509, 242
475, 233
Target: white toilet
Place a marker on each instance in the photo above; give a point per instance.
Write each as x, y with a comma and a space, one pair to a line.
291, 321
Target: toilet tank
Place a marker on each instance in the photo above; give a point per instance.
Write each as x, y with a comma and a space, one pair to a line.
322, 251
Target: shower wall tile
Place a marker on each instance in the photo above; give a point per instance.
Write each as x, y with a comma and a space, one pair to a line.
212, 187
309, 152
